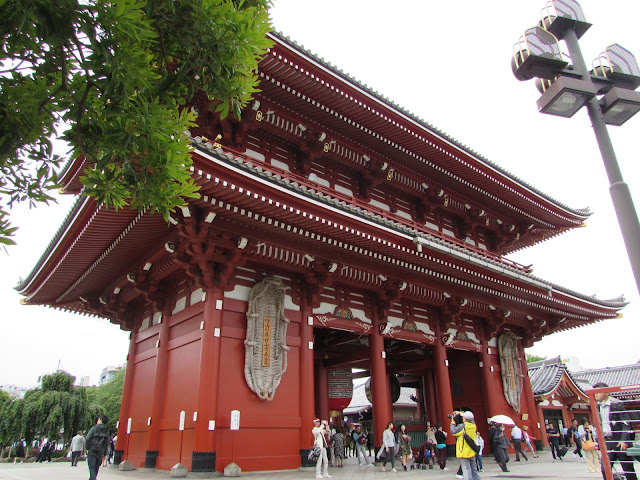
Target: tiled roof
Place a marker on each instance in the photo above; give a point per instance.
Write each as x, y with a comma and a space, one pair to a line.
546, 376
359, 401
612, 376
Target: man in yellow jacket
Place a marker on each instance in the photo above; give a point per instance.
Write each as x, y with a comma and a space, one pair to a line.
461, 423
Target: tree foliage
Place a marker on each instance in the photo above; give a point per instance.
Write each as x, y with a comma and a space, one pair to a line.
57, 406
533, 358
114, 77
106, 399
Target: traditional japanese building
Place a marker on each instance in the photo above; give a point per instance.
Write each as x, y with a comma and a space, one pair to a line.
559, 395
335, 230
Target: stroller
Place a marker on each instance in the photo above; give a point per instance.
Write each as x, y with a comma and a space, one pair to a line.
424, 457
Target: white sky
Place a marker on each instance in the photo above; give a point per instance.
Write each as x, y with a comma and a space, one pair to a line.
448, 63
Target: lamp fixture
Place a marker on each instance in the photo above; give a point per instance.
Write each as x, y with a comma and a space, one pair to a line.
619, 105
537, 54
565, 97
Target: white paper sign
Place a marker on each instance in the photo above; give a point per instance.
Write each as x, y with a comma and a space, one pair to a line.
183, 415
235, 420
129, 425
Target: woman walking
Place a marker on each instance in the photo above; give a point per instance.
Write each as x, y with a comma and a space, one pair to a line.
589, 445
405, 445
389, 446
338, 446
528, 444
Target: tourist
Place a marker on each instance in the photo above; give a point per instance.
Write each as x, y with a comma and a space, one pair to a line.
42, 453
554, 441
493, 433
480, 444
589, 441
528, 441
322, 464
463, 427
347, 441
516, 439
405, 445
500, 444
389, 447
97, 443
359, 440
576, 438
332, 455
369, 441
616, 430
338, 446
441, 447
77, 445
567, 437
19, 451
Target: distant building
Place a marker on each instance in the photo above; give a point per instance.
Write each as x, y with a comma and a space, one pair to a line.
84, 381
107, 374
613, 376
559, 388
14, 391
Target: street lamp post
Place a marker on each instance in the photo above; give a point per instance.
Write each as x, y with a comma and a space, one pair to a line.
567, 90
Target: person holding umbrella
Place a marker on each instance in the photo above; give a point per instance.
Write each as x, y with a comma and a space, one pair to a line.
500, 440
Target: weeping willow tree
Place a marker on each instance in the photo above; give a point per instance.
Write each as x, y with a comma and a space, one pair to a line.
56, 407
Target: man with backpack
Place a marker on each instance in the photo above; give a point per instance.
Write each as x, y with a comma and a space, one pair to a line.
97, 444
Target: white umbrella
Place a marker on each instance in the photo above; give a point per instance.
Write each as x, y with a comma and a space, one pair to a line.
503, 419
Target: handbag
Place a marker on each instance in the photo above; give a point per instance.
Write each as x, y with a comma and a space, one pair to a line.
315, 452
588, 445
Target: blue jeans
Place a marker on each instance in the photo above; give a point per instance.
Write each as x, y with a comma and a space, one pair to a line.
94, 461
469, 468
479, 462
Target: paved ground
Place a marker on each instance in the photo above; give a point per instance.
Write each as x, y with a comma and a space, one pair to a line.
539, 468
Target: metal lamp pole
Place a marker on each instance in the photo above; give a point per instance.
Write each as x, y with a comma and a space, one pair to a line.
620, 194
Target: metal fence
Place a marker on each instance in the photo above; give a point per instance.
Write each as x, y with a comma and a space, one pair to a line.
616, 414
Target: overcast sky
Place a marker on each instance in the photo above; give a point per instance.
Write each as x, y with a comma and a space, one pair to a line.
448, 63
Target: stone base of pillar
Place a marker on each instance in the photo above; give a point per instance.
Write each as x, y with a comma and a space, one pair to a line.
203, 462
125, 466
150, 458
117, 456
232, 470
179, 470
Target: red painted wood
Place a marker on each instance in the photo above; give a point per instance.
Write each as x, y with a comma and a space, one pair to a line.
209, 374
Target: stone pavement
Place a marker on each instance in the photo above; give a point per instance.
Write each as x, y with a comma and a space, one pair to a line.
538, 468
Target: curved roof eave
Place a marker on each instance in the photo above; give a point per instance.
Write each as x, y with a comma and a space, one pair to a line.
583, 213
206, 148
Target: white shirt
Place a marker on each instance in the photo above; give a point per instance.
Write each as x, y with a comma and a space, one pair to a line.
604, 416
516, 432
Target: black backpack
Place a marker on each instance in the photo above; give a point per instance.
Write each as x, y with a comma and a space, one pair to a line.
100, 441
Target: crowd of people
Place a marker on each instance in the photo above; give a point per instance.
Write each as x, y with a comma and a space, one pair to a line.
352, 440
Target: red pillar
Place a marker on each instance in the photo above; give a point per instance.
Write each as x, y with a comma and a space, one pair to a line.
307, 393
431, 397
207, 407
125, 405
443, 383
323, 391
528, 392
489, 382
379, 383
159, 384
